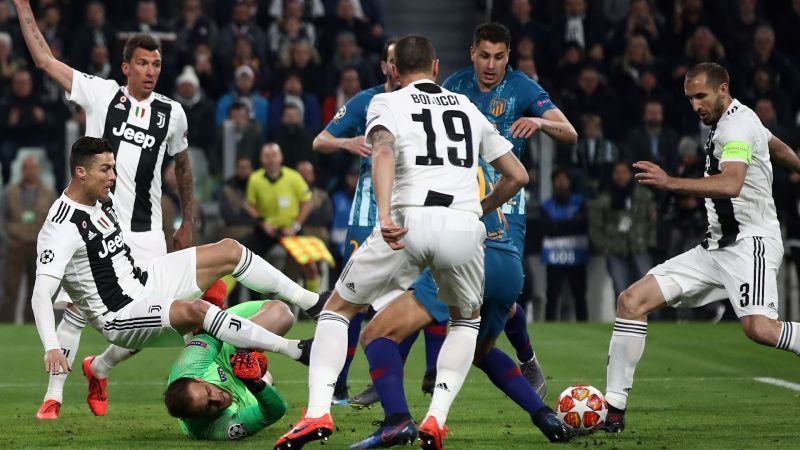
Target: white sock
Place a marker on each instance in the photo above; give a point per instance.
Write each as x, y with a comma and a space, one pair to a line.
624, 353
69, 336
327, 359
257, 274
455, 359
243, 333
113, 355
789, 338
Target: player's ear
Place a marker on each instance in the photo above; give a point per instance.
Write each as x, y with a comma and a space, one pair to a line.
384, 68
435, 68
125, 68
80, 171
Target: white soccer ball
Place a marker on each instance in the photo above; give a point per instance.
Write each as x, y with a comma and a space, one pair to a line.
582, 407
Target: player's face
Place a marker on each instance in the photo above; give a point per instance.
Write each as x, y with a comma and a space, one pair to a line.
490, 60
706, 101
205, 399
99, 176
386, 67
142, 71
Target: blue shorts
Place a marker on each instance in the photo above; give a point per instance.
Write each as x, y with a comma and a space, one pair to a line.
356, 235
425, 291
516, 231
503, 285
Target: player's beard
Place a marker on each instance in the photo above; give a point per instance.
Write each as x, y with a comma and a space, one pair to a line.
716, 113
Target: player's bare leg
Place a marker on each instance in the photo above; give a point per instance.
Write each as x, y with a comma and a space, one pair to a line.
327, 358
627, 344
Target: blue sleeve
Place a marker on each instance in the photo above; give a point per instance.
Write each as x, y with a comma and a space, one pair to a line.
223, 105
536, 100
349, 119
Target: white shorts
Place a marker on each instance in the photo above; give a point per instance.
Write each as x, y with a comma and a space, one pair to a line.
446, 240
145, 321
145, 247
745, 273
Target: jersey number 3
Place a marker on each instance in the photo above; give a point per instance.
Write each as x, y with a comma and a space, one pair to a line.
448, 118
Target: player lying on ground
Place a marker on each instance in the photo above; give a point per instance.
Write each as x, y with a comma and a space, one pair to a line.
426, 143
81, 247
740, 257
221, 393
407, 315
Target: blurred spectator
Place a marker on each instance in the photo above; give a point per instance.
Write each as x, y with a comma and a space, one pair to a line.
8, 63
627, 69
592, 96
527, 65
786, 32
591, 158
199, 110
702, 46
345, 20
763, 86
570, 63
211, 80
247, 134
580, 26
522, 23
99, 62
289, 29
25, 206
49, 21
233, 202
96, 31
654, 140
244, 91
342, 201
622, 227
565, 246
292, 92
243, 56
293, 137
685, 213
10, 25
349, 85
347, 54
319, 219
242, 24
642, 21
23, 120
741, 27
765, 110
647, 88
148, 21
303, 60
171, 209
193, 27
312, 9
765, 54
280, 200
689, 15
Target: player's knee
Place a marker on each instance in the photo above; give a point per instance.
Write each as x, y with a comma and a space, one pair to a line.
232, 250
282, 316
367, 335
196, 310
629, 305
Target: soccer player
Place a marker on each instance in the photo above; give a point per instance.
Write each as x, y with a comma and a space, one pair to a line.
403, 317
346, 131
142, 127
82, 248
426, 142
508, 98
216, 392
740, 257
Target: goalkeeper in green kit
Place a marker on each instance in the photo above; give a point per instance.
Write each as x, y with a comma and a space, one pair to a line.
220, 392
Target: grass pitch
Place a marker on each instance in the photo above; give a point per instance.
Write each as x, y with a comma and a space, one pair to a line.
695, 388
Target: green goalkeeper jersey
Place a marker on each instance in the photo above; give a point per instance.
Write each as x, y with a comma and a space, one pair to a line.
208, 359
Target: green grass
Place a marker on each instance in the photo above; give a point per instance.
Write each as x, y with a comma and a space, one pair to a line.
694, 389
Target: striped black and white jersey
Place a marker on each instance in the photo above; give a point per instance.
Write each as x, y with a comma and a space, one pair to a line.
439, 136
140, 133
740, 136
84, 248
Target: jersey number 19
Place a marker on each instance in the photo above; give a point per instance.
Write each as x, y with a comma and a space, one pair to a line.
448, 118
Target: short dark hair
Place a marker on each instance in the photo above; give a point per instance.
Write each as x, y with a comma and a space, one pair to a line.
85, 149
715, 74
413, 54
385, 49
142, 40
558, 171
494, 32
175, 397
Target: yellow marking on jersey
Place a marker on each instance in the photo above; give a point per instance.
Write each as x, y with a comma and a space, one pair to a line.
482, 194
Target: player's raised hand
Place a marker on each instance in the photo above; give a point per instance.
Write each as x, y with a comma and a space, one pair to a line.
525, 127
359, 147
392, 233
55, 363
651, 175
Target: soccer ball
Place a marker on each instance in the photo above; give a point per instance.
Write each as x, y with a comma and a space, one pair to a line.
582, 407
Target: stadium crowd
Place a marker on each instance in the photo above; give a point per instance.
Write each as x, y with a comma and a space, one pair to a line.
281, 69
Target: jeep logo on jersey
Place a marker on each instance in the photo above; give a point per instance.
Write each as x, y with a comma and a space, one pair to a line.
111, 245
134, 137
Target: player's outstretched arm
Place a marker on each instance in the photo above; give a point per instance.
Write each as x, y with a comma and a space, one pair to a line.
40, 50
783, 154
327, 143
726, 184
514, 178
44, 288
